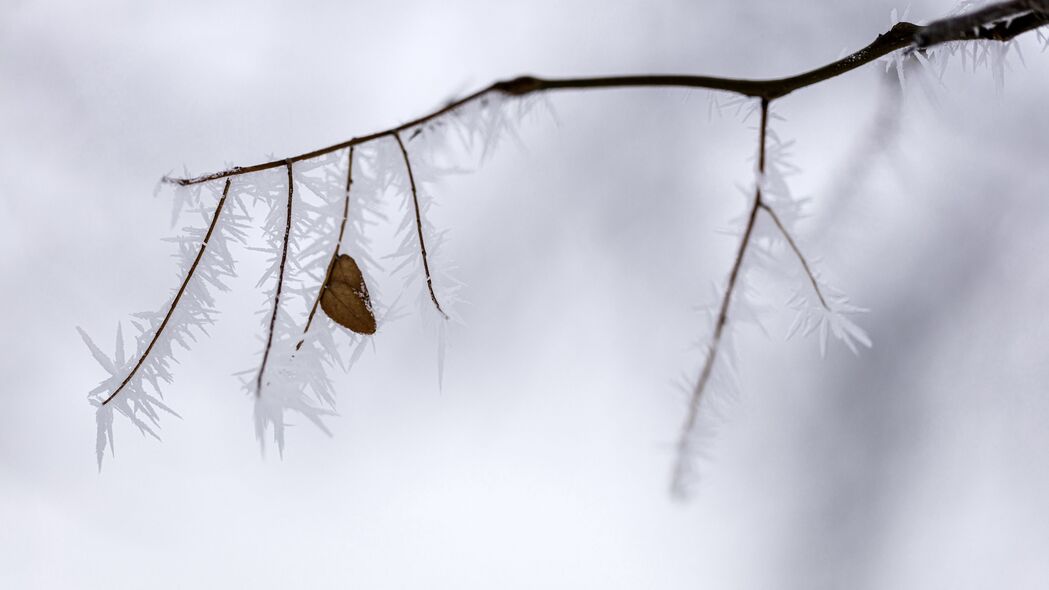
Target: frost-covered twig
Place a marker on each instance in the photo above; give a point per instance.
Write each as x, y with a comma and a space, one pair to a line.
797, 252
280, 285
678, 483
178, 295
419, 225
133, 386
335, 254
826, 315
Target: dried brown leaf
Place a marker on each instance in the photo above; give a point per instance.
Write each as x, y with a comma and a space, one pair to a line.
345, 297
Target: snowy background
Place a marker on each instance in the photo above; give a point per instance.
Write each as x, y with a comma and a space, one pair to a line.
543, 462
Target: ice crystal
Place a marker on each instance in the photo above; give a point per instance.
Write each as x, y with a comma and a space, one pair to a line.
827, 320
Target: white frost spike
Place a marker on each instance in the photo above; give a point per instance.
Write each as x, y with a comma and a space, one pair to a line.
103, 434
442, 343
720, 101
826, 321
479, 126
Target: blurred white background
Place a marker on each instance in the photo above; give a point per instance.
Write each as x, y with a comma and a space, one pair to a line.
544, 461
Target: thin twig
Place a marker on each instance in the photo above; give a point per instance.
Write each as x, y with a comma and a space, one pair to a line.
419, 225
178, 296
280, 285
681, 463
901, 35
335, 254
797, 252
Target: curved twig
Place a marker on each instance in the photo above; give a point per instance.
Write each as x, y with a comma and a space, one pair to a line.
797, 252
178, 296
419, 226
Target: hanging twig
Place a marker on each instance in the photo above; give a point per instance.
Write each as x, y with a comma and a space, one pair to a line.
678, 482
178, 296
797, 252
280, 285
419, 226
335, 254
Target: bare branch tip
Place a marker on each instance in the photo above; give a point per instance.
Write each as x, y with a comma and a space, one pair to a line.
519, 86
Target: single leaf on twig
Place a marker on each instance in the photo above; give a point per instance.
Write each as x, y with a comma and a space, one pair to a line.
345, 297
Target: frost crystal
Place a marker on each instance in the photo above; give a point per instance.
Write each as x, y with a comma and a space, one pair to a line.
827, 320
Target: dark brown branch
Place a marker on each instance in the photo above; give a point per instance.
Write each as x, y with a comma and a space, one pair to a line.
419, 226
678, 482
335, 254
280, 285
178, 296
1001, 22
797, 252
899, 36
236, 170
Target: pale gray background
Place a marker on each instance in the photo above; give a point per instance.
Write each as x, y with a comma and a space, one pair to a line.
544, 461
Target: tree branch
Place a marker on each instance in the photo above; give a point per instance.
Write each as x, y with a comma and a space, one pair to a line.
998, 22
178, 295
901, 35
